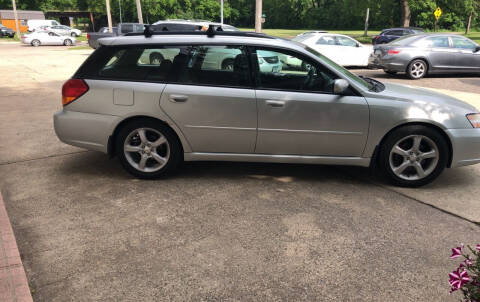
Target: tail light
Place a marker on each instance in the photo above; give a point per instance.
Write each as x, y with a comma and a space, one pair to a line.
72, 90
376, 37
88, 36
24, 37
393, 52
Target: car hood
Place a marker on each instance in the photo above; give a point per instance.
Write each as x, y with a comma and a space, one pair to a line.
422, 96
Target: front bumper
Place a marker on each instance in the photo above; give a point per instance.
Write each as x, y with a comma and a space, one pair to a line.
86, 130
465, 145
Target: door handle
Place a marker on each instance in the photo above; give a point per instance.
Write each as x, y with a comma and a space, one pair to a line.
176, 98
276, 104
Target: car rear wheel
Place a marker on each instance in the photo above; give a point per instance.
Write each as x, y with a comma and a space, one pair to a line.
74, 35
148, 149
35, 43
67, 42
51, 34
413, 156
417, 69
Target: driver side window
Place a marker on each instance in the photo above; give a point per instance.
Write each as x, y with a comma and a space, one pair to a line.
285, 70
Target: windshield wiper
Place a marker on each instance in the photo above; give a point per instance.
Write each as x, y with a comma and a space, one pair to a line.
377, 86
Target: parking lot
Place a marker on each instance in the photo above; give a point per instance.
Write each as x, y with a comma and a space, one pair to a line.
88, 231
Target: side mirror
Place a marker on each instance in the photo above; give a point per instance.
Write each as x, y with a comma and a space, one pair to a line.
340, 86
477, 49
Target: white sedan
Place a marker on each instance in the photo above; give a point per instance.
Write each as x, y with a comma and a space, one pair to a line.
45, 38
341, 49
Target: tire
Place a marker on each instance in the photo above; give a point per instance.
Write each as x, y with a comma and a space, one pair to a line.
67, 42
131, 159
417, 69
74, 35
156, 58
36, 43
51, 34
227, 64
402, 165
390, 72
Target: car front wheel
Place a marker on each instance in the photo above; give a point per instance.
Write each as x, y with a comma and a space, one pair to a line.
413, 156
67, 42
73, 35
148, 149
35, 43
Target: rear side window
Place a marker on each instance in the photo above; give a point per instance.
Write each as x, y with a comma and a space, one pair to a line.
211, 65
439, 42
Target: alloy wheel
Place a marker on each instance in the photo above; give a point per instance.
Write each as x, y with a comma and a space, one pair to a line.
146, 149
414, 157
417, 70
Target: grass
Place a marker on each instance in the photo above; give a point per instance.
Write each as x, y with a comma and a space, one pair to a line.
356, 34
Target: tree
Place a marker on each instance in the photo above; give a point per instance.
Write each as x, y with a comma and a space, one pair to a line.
405, 11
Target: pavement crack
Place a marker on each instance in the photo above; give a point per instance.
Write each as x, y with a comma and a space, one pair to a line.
44, 157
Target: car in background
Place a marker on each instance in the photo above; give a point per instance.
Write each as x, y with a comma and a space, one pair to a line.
120, 30
34, 24
313, 32
5, 31
61, 30
45, 38
341, 49
189, 25
422, 54
388, 35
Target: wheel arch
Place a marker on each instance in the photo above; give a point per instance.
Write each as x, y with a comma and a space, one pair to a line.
429, 125
111, 140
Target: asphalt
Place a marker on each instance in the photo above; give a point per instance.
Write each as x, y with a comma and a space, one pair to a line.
87, 231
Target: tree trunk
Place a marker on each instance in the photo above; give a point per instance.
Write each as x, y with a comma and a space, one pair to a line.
469, 22
405, 8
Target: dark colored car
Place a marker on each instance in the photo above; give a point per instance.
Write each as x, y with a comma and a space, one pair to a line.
388, 35
120, 30
5, 31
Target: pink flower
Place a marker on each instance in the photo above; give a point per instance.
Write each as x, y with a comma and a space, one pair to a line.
477, 247
458, 279
466, 262
456, 252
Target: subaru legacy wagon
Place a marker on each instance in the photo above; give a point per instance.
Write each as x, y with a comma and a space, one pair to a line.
187, 105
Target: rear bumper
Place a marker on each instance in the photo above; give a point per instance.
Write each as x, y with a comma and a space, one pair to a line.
84, 130
465, 145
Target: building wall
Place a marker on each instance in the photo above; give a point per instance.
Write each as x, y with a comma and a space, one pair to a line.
22, 24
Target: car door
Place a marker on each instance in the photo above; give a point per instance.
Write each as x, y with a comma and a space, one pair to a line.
214, 107
327, 46
467, 58
352, 53
298, 113
441, 56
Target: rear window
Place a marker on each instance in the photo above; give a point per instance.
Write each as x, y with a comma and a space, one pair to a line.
302, 38
404, 41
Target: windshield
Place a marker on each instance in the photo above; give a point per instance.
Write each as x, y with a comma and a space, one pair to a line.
302, 37
340, 69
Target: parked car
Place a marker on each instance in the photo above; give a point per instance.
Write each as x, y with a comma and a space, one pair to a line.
423, 54
5, 31
154, 117
342, 49
312, 32
34, 24
44, 38
189, 25
388, 35
120, 30
61, 30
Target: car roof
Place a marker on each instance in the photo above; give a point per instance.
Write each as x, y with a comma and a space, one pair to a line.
403, 28
244, 38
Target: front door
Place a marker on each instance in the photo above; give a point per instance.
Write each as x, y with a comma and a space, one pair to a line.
298, 113
466, 58
441, 53
211, 99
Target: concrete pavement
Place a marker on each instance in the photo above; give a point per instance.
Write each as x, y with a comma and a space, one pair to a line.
87, 231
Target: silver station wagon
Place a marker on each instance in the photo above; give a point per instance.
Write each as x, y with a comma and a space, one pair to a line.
186, 104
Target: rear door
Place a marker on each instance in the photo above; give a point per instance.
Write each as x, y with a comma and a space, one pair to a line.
298, 113
211, 101
442, 54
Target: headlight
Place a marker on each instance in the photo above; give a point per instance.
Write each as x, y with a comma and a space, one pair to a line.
474, 119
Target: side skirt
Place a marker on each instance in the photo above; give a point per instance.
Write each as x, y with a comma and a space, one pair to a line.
272, 158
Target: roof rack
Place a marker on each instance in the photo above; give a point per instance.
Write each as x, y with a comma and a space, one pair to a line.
213, 30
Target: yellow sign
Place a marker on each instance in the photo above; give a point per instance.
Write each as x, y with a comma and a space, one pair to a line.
438, 13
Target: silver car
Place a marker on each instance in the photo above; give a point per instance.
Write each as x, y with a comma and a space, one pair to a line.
422, 54
153, 116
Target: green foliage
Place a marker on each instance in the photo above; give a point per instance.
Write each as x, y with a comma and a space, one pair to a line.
314, 14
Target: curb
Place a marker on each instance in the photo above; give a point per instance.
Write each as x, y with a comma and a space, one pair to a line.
13, 281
